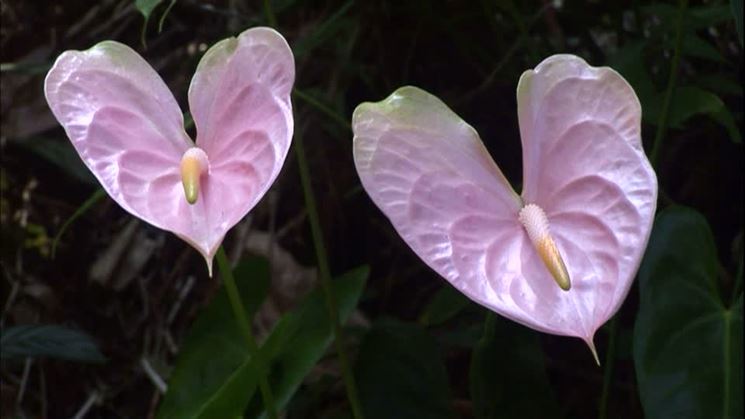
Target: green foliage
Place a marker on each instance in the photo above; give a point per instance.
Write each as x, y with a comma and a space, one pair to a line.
400, 373
214, 375
307, 335
445, 305
736, 6
48, 340
687, 342
146, 8
690, 101
507, 375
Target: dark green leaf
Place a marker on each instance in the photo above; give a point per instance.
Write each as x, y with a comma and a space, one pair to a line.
206, 384
446, 304
146, 7
696, 18
400, 373
690, 101
213, 373
308, 335
736, 8
693, 46
507, 376
687, 342
48, 340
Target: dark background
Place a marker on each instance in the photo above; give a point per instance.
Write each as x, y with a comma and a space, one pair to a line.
117, 279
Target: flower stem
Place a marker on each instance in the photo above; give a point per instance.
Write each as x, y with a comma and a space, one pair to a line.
310, 100
671, 81
239, 312
270, 18
325, 276
608, 373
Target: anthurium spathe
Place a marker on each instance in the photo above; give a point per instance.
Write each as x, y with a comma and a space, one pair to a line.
560, 257
128, 129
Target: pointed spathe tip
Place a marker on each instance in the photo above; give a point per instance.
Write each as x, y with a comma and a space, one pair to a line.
594, 351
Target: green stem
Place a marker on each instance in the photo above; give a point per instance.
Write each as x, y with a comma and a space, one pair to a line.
239, 312
95, 197
608, 373
671, 81
325, 276
310, 100
270, 18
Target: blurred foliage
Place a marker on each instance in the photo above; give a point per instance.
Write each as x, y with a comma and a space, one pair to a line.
420, 349
48, 340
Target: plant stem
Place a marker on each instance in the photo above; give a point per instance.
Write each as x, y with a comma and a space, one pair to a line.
671, 81
325, 276
310, 100
608, 373
270, 18
239, 312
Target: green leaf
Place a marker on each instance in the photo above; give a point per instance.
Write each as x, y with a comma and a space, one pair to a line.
146, 8
400, 373
690, 101
696, 18
210, 384
693, 46
213, 373
445, 304
311, 334
48, 340
736, 8
508, 376
687, 342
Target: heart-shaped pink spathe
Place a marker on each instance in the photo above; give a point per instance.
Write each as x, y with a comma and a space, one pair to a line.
583, 165
127, 127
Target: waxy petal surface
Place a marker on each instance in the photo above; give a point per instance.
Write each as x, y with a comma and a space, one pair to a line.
240, 101
128, 129
126, 126
583, 163
429, 173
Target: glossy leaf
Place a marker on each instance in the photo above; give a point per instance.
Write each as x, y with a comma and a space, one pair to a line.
48, 340
507, 374
688, 343
400, 373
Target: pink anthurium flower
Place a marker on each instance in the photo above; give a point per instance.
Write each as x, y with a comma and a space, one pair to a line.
129, 131
559, 258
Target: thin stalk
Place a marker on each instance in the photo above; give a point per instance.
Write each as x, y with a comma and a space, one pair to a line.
239, 312
325, 274
310, 100
270, 18
608, 373
671, 81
